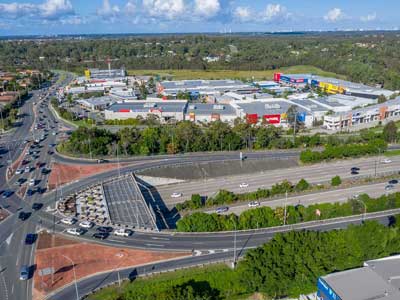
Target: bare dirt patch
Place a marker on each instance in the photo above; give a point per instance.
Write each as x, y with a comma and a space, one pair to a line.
47, 240
65, 173
3, 214
87, 259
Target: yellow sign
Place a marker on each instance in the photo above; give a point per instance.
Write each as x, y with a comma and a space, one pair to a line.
87, 74
331, 88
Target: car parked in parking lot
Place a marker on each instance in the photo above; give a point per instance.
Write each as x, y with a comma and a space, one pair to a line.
107, 229
86, 224
7, 194
37, 206
24, 215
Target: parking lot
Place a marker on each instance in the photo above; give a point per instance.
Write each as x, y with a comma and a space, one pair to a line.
126, 204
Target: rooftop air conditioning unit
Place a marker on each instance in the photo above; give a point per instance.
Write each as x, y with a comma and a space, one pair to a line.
218, 107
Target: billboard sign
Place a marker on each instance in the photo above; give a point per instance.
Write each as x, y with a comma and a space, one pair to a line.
252, 118
124, 110
273, 119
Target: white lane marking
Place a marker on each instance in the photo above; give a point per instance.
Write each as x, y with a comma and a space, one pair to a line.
8, 240
3, 281
155, 245
116, 241
160, 238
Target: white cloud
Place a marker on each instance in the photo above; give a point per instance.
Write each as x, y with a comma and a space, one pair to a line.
107, 11
369, 17
49, 10
53, 9
242, 14
274, 11
334, 15
207, 8
130, 8
169, 9
73, 20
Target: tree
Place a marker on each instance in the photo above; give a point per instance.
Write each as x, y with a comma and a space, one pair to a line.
382, 99
390, 132
302, 185
336, 181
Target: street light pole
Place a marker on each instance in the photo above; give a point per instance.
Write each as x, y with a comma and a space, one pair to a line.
234, 246
284, 212
73, 268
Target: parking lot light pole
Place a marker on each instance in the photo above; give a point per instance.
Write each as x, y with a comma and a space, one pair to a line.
73, 268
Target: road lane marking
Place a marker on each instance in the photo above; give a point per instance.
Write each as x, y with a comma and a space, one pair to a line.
160, 238
155, 245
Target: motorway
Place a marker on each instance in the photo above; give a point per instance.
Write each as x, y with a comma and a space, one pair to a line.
318, 173
13, 251
215, 246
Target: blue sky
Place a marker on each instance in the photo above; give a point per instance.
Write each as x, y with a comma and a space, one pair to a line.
44, 17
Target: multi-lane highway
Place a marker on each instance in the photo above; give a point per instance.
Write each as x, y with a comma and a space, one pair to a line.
14, 253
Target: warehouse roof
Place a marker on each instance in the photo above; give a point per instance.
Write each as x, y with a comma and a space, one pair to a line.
266, 107
145, 106
186, 84
375, 108
310, 105
378, 279
105, 100
208, 109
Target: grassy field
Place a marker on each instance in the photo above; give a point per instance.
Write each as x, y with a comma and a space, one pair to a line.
232, 74
392, 153
219, 277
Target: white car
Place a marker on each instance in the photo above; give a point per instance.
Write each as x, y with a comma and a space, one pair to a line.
86, 224
122, 232
243, 185
176, 195
19, 171
386, 161
32, 182
75, 231
68, 221
27, 169
254, 204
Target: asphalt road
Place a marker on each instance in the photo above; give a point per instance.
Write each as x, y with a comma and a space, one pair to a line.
88, 285
318, 173
13, 251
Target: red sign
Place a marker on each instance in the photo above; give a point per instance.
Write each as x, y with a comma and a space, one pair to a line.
277, 77
252, 118
273, 119
124, 110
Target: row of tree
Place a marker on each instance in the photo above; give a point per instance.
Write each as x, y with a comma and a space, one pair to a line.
286, 266
263, 217
187, 136
364, 58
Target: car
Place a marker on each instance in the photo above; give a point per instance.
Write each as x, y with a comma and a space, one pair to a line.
30, 192
101, 235
37, 206
254, 204
24, 273
7, 194
27, 169
30, 238
24, 215
50, 152
45, 171
76, 231
243, 185
122, 232
393, 181
355, 196
100, 161
20, 181
40, 190
355, 169
176, 195
32, 182
19, 171
386, 161
222, 209
354, 172
68, 221
389, 187
105, 229
86, 224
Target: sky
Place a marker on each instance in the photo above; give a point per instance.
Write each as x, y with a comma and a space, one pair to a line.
50, 17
